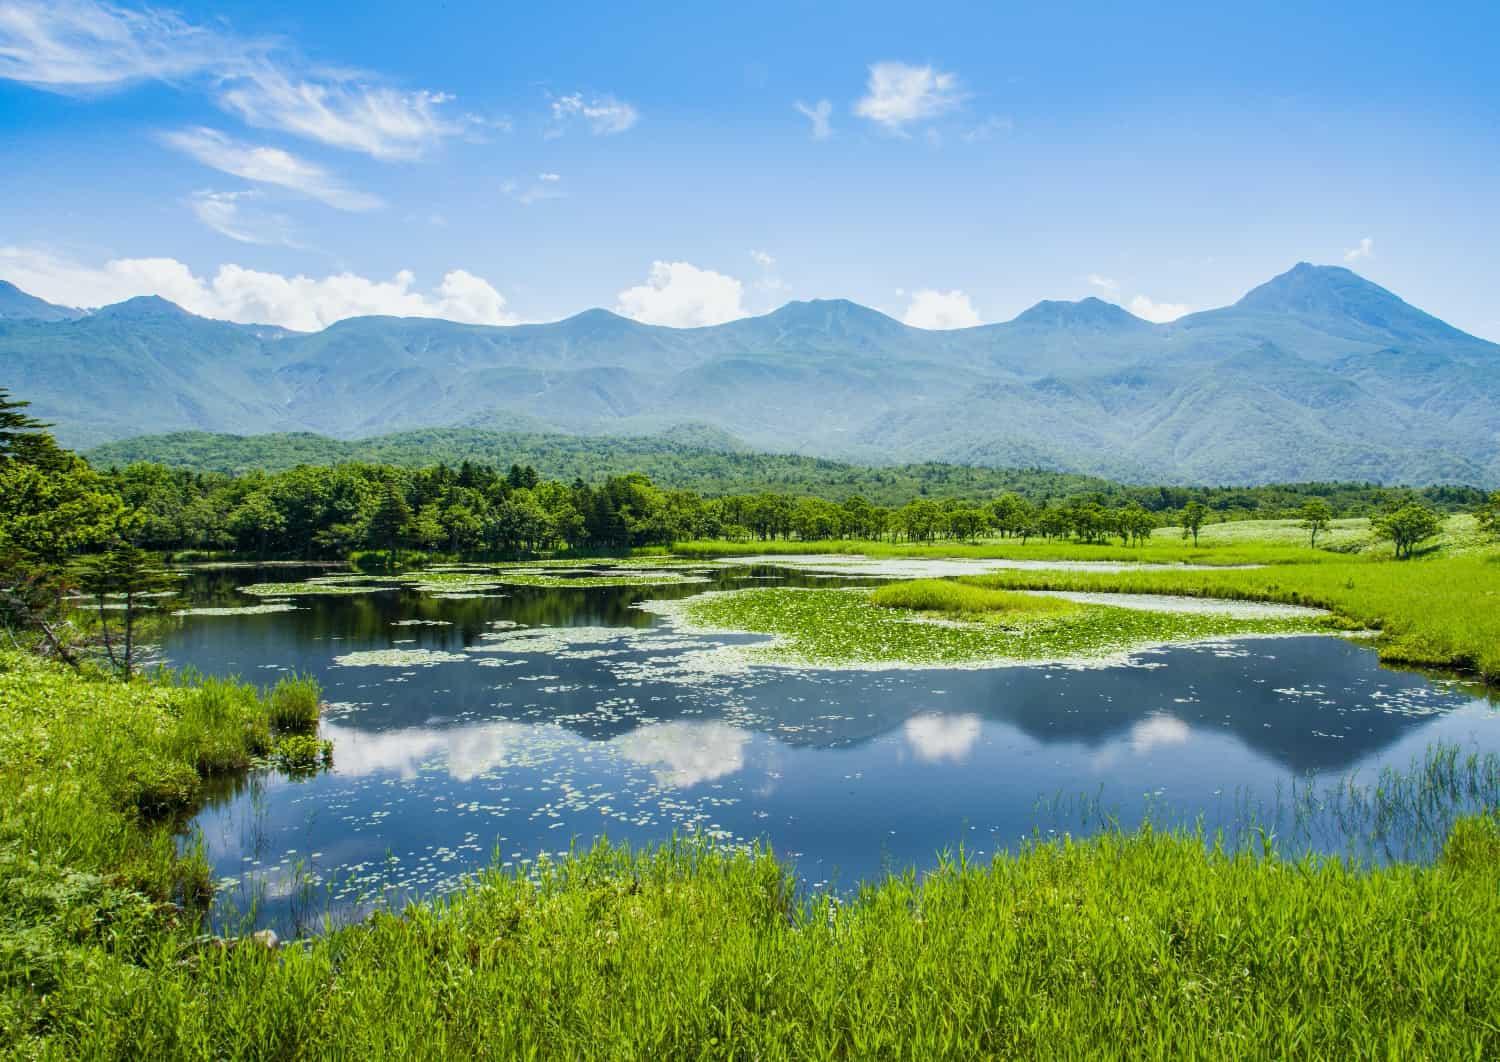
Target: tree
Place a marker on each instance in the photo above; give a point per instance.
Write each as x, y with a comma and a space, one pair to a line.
1013, 514
1407, 527
387, 527
24, 438
1488, 515
1316, 516
124, 577
966, 523
1193, 515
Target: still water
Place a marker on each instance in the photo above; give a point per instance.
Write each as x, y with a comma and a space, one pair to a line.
501, 726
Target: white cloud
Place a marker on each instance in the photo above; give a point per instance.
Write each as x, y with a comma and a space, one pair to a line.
269, 165
76, 46
382, 122
683, 296
1108, 285
899, 94
762, 259
605, 115
685, 753
935, 738
1160, 312
543, 186
1364, 250
940, 309
988, 129
251, 296
227, 214
1158, 731
819, 114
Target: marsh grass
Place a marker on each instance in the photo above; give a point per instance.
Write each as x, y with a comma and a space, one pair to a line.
1438, 611
1162, 942
846, 627
949, 598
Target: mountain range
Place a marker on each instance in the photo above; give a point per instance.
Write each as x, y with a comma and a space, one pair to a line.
1316, 374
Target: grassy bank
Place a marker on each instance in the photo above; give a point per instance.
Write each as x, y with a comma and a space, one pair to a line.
1164, 549
95, 775
1437, 611
1061, 950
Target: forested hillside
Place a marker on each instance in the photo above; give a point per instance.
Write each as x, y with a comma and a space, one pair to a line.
1316, 375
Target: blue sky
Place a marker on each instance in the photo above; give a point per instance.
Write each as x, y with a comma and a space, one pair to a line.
686, 164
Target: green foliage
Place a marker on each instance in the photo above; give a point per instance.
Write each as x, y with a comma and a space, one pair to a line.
301, 752
1487, 515
1317, 516
294, 704
1407, 527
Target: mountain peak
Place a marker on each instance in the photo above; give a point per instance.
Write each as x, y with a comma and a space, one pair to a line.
1308, 288
17, 305
143, 308
1091, 313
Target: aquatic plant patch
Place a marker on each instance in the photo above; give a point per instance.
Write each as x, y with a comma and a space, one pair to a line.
310, 587
241, 610
397, 658
846, 628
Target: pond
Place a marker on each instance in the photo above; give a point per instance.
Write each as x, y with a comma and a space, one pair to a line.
508, 723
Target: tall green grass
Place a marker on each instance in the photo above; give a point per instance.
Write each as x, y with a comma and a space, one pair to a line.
1439, 611
1149, 944
962, 599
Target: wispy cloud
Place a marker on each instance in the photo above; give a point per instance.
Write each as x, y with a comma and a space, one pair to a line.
991, 127
1108, 285
820, 114
1365, 249
534, 190
82, 46
604, 115
269, 165
236, 215
899, 94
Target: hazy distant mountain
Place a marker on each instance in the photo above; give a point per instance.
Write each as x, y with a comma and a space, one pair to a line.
1315, 374
16, 305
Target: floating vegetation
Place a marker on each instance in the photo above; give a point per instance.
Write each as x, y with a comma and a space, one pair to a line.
311, 586
240, 610
844, 627
397, 658
665, 577
421, 623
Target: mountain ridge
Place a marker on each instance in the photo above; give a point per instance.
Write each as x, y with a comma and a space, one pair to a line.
1318, 373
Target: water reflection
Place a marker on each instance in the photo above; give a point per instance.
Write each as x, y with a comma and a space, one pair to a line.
522, 724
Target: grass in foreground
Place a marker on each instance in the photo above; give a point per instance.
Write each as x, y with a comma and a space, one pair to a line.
1065, 950
96, 776
891, 626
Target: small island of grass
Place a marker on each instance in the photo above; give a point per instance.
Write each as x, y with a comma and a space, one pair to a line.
940, 623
